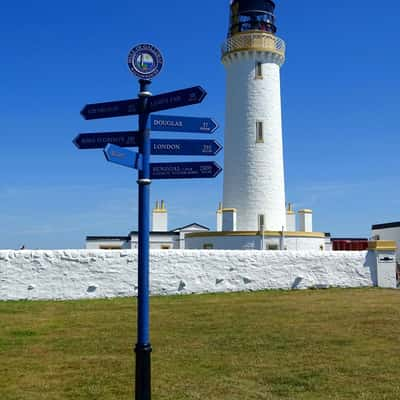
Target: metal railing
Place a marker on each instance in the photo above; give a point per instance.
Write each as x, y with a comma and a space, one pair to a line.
257, 41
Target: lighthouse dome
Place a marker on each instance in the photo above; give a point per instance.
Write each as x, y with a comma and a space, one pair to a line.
255, 6
252, 15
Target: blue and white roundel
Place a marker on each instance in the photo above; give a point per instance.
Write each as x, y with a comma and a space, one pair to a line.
145, 61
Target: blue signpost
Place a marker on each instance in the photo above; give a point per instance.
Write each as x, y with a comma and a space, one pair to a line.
178, 98
121, 156
177, 170
169, 147
169, 123
185, 147
189, 170
146, 61
100, 140
111, 109
165, 101
143, 347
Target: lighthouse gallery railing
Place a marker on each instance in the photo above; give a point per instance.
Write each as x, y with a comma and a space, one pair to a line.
256, 41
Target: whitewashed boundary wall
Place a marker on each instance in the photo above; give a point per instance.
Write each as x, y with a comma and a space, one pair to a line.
79, 274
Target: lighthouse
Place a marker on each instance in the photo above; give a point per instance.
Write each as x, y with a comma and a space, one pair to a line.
253, 214
254, 187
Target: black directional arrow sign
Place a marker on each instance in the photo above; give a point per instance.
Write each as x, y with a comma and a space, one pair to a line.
100, 140
171, 147
164, 101
190, 170
111, 109
179, 98
175, 123
181, 147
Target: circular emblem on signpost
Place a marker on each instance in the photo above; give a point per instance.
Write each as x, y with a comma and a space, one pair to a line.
145, 61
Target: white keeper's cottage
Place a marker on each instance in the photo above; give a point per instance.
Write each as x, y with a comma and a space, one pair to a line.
160, 236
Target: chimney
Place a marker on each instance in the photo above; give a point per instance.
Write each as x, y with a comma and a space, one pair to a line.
229, 219
290, 218
219, 218
305, 220
159, 217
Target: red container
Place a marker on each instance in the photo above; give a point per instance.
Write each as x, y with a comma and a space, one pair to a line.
349, 244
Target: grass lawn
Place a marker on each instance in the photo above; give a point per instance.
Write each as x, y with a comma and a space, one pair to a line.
318, 344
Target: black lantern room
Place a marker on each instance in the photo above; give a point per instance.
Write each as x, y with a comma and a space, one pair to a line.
252, 15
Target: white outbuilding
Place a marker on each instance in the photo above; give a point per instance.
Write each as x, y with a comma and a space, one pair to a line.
388, 231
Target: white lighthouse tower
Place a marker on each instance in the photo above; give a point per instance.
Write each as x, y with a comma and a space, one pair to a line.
254, 172
253, 214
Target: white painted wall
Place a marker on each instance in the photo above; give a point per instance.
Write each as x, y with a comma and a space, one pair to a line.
245, 242
158, 240
386, 263
180, 242
109, 243
254, 172
225, 242
77, 274
328, 243
389, 234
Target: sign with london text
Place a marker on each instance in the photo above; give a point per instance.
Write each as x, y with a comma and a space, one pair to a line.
182, 147
170, 147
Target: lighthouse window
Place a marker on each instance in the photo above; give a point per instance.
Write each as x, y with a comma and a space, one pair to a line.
259, 73
259, 132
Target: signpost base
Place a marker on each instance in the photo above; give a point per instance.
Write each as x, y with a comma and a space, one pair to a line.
143, 372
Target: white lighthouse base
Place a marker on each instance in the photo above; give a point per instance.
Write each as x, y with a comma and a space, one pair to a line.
269, 240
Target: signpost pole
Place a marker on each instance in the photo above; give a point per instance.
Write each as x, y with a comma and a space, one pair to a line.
143, 347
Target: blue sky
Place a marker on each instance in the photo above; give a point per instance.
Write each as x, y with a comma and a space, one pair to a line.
340, 91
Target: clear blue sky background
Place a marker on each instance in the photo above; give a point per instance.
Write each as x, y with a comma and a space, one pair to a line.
340, 89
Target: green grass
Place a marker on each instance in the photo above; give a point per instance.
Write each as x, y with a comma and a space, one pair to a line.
318, 344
